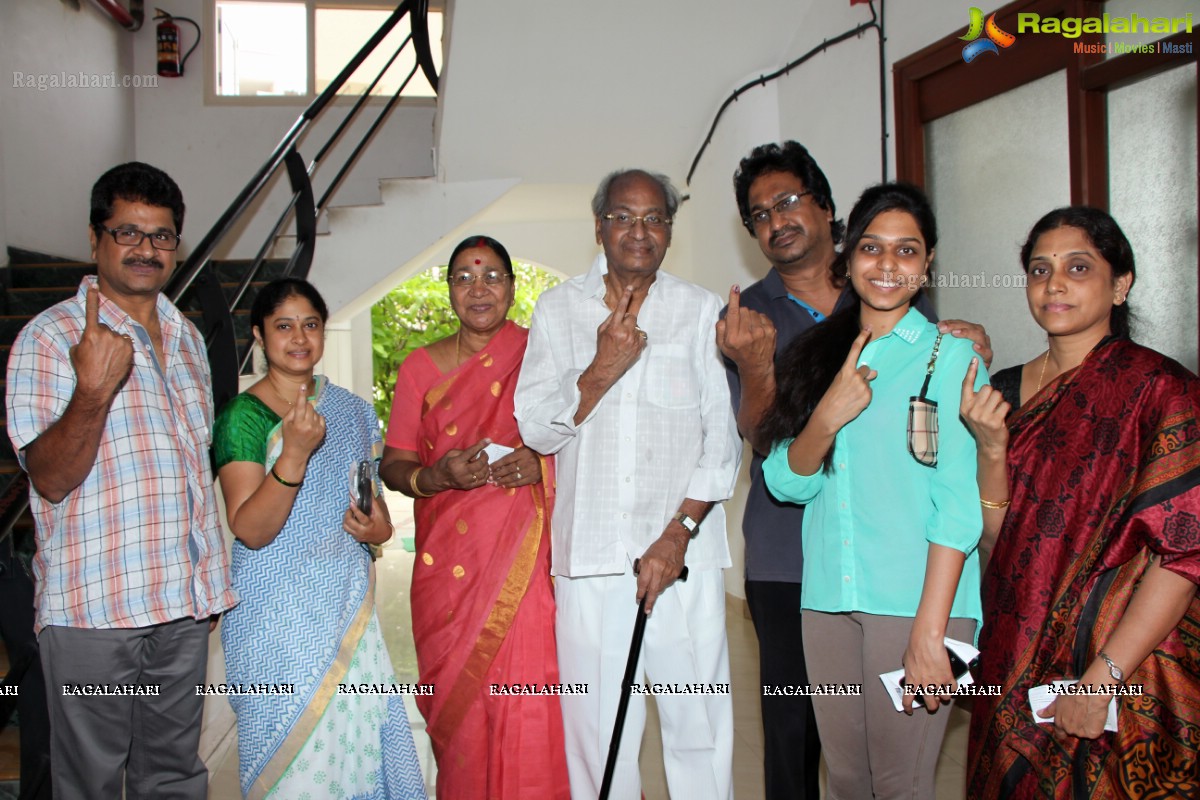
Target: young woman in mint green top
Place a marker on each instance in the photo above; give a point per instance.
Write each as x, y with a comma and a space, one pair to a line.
890, 561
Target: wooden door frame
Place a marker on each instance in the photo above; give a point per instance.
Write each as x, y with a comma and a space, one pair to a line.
935, 82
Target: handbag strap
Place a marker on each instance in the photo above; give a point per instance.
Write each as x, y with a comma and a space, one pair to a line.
932, 360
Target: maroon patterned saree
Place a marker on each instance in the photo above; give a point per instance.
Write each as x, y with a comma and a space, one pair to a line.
1104, 467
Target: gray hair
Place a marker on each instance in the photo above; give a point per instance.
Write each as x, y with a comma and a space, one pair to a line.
600, 198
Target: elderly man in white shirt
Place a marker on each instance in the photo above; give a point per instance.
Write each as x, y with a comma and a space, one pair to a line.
623, 381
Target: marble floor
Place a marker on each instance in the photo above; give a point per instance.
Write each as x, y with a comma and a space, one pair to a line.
392, 599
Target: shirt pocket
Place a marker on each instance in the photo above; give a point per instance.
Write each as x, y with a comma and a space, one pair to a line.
670, 377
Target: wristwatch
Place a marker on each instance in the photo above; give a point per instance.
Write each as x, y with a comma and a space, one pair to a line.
1113, 669
687, 522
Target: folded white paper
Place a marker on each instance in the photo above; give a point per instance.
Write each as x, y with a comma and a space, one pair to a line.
495, 452
893, 681
1044, 695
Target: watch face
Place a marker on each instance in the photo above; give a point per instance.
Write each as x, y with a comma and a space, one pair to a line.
687, 522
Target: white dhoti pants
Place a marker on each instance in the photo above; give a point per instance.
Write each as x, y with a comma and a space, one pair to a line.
685, 648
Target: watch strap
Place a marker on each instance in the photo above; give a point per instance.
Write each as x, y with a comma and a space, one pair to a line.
1113, 669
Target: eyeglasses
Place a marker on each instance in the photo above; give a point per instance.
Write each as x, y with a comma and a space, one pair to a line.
132, 237
623, 220
787, 204
493, 277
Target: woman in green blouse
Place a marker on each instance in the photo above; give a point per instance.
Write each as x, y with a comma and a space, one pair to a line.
893, 517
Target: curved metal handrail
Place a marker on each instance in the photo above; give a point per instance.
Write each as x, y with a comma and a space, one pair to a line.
197, 272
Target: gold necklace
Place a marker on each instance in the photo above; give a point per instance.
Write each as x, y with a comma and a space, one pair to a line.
278, 393
1042, 375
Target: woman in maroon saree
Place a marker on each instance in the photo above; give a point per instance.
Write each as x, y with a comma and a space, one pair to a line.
482, 601
1090, 497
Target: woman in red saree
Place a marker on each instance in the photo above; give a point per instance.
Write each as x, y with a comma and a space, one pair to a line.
482, 600
1090, 497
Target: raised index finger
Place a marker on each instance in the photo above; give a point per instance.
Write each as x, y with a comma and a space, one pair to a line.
735, 302
623, 304
856, 349
968, 387
91, 309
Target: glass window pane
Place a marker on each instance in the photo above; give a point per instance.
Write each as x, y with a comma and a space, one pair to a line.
262, 49
992, 169
340, 32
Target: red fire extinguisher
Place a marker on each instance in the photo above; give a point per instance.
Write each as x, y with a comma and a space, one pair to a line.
170, 65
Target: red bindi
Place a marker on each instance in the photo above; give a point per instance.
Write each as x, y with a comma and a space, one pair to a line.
478, 261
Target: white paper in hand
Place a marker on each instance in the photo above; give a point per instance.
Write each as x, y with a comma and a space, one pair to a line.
495, 452
1044, 695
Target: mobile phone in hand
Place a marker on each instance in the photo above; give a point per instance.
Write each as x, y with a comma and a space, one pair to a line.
362, 485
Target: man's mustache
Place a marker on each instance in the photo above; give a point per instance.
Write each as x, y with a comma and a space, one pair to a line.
143, 262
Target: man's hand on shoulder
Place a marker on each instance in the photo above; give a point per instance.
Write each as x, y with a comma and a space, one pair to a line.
973, 331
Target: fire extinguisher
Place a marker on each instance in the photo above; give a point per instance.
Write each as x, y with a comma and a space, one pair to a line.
170, 65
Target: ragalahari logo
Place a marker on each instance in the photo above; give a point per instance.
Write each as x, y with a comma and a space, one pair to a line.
996, 38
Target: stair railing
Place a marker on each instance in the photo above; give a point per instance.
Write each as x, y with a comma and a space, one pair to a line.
198, 273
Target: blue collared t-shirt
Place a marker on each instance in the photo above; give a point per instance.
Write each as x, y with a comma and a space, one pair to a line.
870, 520
772, 527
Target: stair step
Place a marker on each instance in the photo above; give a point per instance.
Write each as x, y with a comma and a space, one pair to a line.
234, 269
32, 300
10, 326
9, 466
50, 275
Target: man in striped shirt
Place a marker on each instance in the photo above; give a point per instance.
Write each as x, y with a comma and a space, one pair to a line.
110, 410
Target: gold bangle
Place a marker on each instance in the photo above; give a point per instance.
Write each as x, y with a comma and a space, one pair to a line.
412, 484
990, 504
288, 484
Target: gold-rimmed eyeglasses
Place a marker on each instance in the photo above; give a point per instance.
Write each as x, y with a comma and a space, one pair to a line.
493, 277
621, 219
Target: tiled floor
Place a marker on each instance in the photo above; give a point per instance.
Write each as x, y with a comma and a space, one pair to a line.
393, 572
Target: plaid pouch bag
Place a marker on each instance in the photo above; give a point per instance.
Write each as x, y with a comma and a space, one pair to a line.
923, 418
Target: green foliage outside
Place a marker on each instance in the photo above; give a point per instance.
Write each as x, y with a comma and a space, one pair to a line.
418, 312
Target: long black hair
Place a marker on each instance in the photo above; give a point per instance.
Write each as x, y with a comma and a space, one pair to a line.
1106, 236
806, 369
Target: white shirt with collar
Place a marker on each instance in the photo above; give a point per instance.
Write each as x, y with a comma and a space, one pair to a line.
664, 432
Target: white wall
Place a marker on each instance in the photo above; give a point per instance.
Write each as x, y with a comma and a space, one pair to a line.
66, 138
58, 141
211, 150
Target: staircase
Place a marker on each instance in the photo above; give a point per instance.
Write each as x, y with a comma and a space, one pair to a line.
38, 282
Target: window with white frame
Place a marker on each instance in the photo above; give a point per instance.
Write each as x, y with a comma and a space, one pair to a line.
279, 49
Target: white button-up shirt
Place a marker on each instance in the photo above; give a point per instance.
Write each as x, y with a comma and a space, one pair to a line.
662, 433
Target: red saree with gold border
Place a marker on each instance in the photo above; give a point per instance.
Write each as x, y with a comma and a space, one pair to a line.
482, 600
1104, 467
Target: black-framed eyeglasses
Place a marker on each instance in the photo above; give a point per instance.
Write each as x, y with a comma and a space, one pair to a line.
787, 204
493, 277
132, 237
621, 219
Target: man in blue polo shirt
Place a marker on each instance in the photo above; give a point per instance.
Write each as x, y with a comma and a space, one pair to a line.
786, 204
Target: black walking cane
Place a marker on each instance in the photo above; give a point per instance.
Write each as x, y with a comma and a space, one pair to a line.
635, 649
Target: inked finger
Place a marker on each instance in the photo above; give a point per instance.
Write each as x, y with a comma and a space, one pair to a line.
735, 301
968, 385
623, 303
856, 348
91, 309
